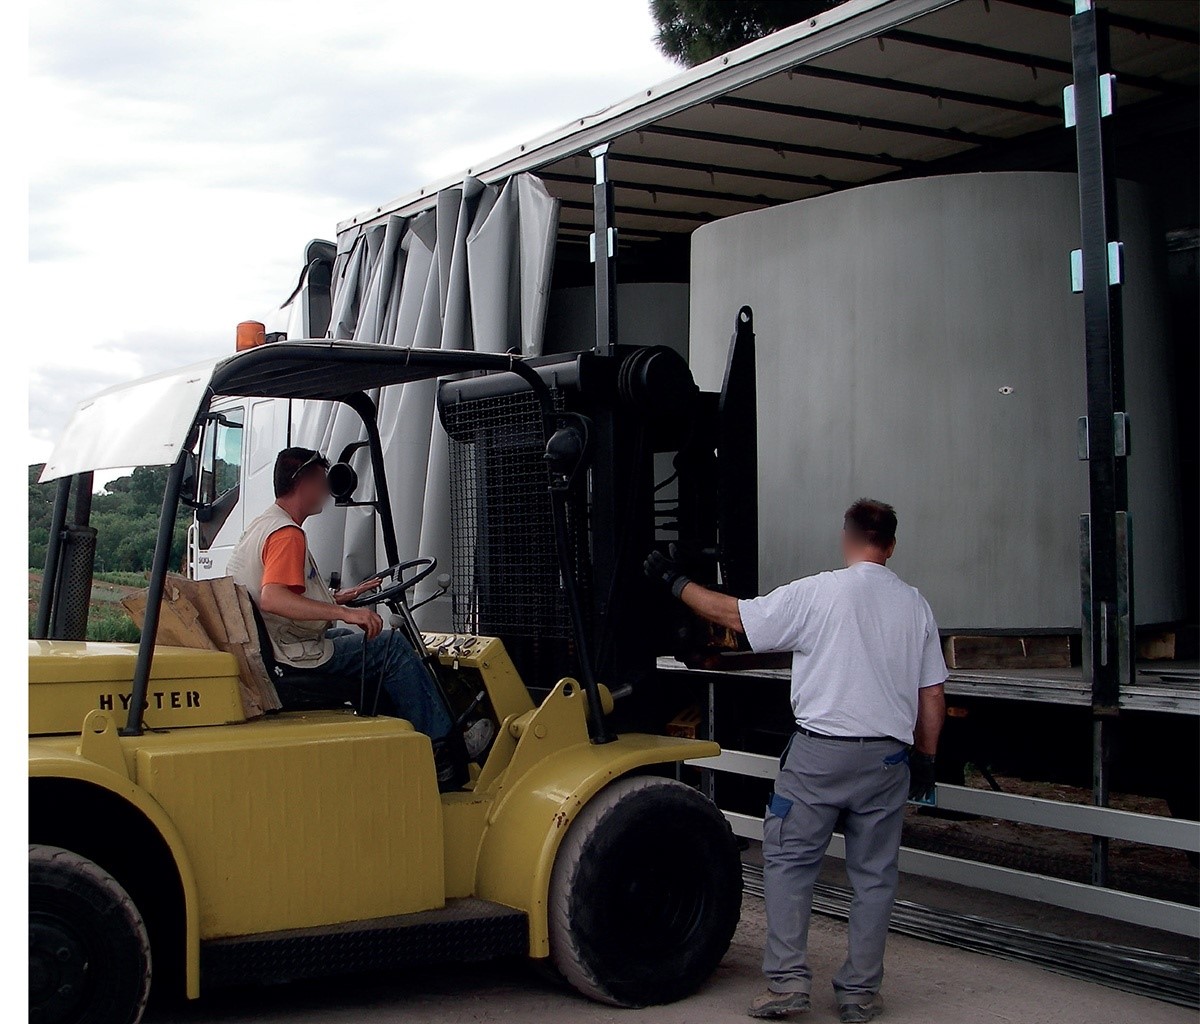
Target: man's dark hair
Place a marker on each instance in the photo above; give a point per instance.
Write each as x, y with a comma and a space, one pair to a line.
872, 522
288, 466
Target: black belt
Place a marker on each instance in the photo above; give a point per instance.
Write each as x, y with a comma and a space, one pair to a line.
848, 739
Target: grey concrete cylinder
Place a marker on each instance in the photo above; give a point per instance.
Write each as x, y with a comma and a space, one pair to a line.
919, 342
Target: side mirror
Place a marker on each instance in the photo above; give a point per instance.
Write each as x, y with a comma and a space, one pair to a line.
189, 489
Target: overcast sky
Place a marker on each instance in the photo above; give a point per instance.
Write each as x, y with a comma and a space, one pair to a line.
183, 152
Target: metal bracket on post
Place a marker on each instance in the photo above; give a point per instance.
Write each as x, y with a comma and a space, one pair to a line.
1120, 435
604, 255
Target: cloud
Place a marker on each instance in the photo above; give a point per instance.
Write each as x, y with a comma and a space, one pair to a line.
182, 154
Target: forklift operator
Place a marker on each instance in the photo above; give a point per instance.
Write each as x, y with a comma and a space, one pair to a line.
868, 701
273, 563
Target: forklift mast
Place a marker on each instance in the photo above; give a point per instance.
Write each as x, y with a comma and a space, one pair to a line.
637, 408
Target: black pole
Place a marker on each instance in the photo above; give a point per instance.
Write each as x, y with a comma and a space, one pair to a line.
58, 521
599, 728
83, 498
1106, 543
154, 595
361, 403
604, 252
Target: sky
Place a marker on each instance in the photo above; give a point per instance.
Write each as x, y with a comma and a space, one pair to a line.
182, 153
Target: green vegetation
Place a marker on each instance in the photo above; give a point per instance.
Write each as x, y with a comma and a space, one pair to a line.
111, 623
106, 618
126, 520
125, 516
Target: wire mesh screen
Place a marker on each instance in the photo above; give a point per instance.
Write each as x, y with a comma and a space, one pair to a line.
506, 575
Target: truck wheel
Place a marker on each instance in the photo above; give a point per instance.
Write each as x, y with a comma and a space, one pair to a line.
645, 894
89, 955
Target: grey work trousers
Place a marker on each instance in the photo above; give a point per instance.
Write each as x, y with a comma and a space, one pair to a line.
820, 779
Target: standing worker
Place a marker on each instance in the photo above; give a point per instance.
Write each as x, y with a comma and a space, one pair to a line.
868, 701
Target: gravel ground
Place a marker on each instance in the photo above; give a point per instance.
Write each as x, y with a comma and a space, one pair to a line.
925, 984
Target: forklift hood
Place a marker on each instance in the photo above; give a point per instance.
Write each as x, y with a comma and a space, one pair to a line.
147, 422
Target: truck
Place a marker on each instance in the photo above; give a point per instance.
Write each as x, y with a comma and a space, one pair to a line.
1048, 293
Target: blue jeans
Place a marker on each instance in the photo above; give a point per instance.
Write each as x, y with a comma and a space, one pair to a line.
406, 691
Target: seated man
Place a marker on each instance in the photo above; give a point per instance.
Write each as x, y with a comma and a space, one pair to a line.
272, 561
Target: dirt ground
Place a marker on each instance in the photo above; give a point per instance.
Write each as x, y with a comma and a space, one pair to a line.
925, 984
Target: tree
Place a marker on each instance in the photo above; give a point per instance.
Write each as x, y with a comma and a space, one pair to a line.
125, 516
693, 31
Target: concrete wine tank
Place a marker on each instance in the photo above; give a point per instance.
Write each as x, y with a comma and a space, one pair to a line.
919, 342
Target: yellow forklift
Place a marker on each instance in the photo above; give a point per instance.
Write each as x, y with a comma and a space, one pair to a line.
178, 833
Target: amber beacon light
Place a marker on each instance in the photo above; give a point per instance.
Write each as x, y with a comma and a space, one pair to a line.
250, 334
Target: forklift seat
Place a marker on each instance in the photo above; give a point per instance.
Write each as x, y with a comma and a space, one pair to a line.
298, 690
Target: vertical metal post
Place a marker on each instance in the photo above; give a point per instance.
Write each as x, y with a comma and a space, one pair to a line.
1097, 272
707, 776
154, 595
604, 254
58, 522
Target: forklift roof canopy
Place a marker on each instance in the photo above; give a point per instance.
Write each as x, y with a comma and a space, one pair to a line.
147, 422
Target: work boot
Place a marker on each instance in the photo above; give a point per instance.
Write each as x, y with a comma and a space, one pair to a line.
450, 769
857, 1013
773, 1005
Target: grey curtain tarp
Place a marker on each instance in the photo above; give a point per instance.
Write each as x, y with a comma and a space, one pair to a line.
472, 273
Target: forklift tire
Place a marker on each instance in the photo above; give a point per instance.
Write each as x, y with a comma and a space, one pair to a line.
89, 954
645, 894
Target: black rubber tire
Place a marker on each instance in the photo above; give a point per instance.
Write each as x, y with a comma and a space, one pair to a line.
645, 893
89, 954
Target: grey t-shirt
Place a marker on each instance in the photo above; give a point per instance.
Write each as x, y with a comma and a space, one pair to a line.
863, 643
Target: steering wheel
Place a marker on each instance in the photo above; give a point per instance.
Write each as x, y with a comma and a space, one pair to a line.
394, 591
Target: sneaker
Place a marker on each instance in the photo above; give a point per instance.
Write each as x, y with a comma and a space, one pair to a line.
478, 736
856, 1013
773, 1005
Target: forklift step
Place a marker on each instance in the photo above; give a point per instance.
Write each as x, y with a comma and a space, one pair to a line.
463, 930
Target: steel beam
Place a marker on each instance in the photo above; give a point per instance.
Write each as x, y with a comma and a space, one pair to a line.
1142, 26
1033, 61
666, 190
932, 92
818, 180
1084, 819
1088, 899
780, 146
857, 121
1104, 536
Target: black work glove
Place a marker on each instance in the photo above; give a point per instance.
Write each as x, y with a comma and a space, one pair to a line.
665, 569
921, 776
